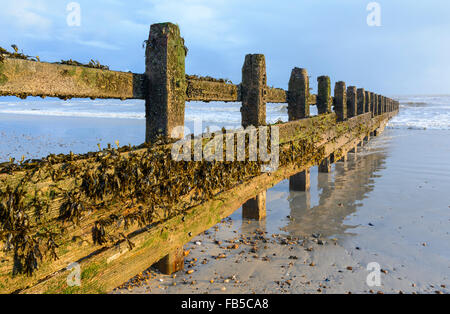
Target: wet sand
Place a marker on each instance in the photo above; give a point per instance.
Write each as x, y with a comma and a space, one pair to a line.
388, 204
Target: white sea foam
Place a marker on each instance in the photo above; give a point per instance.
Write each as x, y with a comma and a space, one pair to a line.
423, 112
416, 112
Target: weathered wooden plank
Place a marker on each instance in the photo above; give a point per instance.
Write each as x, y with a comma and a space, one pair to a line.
30, 78
210, 90
276, 95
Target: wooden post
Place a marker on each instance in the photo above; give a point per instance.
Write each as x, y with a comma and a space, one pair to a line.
340, 101
372, 104
254, 89
352, 102
375, 105
253, 111
298, 95
255, 208
362, 100
300, 182
379, 105
367, 103
325, 165
172, 262
324, 95
298, 108
165, 79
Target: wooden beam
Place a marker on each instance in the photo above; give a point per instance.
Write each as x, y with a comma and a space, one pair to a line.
30, 78
210, 90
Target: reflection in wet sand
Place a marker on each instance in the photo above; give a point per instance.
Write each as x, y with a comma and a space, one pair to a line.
339, 196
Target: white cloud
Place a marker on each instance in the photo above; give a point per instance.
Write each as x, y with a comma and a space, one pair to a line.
201, 21
98, 44
26, 15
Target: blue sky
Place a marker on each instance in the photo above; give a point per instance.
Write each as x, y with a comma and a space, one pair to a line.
408, 54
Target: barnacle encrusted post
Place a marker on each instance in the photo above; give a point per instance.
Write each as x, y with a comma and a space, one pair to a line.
351, 102
253, 111
298, 95
324, 95
298, 108
165, 82
361, 101
254, 89
340, 101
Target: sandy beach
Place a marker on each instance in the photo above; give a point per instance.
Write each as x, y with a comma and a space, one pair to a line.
387, 204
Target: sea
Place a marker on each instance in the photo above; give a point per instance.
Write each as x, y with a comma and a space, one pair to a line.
34, 128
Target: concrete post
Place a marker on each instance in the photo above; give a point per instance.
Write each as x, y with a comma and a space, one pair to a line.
352, 102
254, 89
298, 95
300, 182
340, 101
166, 81
324, 95
255, 208
362, 100
172, 262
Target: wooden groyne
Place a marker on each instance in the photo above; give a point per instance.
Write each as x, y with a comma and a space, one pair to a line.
117, 211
